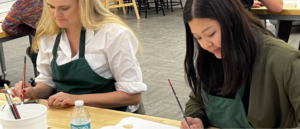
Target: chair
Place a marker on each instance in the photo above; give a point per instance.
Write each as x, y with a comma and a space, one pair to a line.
121, 4
299, 46
284, 29
176, 3
159, 5
141, 109
32, 55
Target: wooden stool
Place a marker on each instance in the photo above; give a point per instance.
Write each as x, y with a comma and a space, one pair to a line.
121, 4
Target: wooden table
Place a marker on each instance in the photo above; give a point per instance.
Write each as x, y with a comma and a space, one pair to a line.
289, 13
3, 13
60, 118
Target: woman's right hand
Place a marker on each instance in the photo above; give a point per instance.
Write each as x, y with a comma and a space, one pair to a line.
257, 4
27, 92
195, 123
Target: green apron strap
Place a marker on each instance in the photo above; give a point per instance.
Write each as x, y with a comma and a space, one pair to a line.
240, 93
57, 40
82, 43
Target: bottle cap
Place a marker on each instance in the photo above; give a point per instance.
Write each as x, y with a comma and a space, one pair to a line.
79, 103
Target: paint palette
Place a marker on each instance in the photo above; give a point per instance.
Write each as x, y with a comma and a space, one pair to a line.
137, 123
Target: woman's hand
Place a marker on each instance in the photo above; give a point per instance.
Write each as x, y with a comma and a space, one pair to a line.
27, 92
257, 4
62, 99
195, 123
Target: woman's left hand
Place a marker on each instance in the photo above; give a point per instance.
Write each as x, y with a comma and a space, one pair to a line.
61, 99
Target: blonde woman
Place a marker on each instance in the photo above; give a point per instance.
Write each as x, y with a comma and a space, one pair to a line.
87, 53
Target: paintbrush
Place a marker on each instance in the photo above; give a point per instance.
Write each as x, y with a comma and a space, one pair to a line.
12, 102
179, 103
25, 102
11, 107
24, 75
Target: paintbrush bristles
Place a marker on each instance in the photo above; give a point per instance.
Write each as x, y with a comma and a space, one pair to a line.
6, 86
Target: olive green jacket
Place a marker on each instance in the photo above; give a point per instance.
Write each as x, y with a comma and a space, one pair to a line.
274, 100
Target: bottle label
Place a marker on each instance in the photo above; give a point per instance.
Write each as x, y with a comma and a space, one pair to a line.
86, 126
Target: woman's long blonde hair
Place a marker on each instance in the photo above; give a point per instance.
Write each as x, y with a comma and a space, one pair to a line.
93, 15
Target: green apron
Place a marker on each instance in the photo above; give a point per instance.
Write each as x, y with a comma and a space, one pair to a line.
226, 112
77, 77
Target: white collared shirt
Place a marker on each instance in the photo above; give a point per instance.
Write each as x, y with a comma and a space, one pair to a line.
110, 52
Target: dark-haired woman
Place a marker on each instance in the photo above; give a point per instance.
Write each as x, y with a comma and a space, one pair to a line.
240, 76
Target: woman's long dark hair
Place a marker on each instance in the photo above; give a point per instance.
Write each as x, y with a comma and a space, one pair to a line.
238, 50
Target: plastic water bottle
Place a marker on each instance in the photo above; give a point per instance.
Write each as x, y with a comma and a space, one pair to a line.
80, 117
